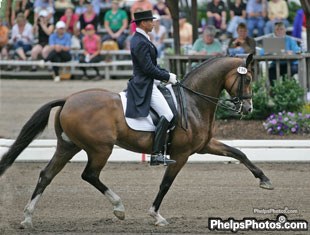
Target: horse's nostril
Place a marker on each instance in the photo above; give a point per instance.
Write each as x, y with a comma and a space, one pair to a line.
250, 110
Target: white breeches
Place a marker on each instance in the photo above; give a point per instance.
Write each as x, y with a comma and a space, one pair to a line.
159, 104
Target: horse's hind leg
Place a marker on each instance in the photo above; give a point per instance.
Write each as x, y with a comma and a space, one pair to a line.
218, 148
64, 152
96, 161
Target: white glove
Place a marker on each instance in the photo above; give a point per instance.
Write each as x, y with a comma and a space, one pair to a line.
173, 78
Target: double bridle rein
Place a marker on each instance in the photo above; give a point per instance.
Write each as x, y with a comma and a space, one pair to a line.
237, 100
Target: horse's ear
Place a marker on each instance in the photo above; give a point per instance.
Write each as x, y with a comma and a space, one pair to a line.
249, 60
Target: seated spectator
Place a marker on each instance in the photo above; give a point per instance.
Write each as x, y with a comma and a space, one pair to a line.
4, 39
216, 13
115, 23
47, 5
186, 32
237, 16
63, 4
5, 13
207, 45
88, 17
161, 9
80, 8
17, 6
242, 44
60, 43
144, 5
158, 35
291, 47
92, 48
96, 6
45, 29
70, 19
22, 36
256, 13
277, 12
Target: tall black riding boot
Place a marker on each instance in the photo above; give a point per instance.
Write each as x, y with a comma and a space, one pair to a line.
159, 140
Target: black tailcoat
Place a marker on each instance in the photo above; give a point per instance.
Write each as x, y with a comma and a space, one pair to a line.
145, 70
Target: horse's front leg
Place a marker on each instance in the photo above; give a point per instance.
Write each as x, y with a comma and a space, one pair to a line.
218, 148
169, 176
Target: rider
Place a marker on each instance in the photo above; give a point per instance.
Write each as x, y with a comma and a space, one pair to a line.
142, 91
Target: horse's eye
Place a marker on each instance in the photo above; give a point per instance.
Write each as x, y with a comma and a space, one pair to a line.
247, 80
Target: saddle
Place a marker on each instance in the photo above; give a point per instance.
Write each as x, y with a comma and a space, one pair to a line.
149, 123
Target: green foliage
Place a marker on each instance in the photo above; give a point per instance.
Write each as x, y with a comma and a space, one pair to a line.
292, 7
225, 113
287, 95
261, 107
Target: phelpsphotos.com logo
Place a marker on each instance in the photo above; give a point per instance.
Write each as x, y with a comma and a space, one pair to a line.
280, 224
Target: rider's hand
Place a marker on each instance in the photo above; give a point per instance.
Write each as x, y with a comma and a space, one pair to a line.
173, 78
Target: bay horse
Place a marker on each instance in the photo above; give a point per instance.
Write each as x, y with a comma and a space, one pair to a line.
93, 120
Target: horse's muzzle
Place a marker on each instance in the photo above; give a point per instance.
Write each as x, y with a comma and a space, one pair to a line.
245, 106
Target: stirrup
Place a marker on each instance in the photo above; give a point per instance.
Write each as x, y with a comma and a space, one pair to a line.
160, 159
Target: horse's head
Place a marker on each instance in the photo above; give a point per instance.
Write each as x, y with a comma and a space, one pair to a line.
238, 85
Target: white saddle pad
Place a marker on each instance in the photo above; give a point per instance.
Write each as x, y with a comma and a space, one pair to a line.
142, 123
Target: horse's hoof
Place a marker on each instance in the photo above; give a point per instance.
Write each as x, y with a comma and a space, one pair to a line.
161, 223
266, 185
119, 214
26, 224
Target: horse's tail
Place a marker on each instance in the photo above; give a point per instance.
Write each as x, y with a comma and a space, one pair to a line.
35, 125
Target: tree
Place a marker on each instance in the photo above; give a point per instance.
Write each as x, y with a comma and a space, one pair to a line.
306, 7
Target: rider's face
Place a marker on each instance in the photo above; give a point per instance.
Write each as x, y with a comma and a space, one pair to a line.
149, 24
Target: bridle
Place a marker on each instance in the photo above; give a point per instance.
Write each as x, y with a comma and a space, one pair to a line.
237, 100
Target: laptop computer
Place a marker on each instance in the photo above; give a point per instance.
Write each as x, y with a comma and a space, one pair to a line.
274, 46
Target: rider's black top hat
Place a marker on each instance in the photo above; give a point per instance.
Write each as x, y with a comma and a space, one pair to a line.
143, 15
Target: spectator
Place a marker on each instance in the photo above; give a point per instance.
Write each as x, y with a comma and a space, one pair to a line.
237, 16
63, 4
158, 35
133, 25
207, 45
80, 8
88, 17
300, 29
47, 5
243, 44
115, 23
4, 39
216, 13
96, 6
256, 12
291, 47
22, 36
5, 13
17, 6
162, 10
92, 48
144, 5
45, 29
70, 19
60, 43
277, 12
186, 31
